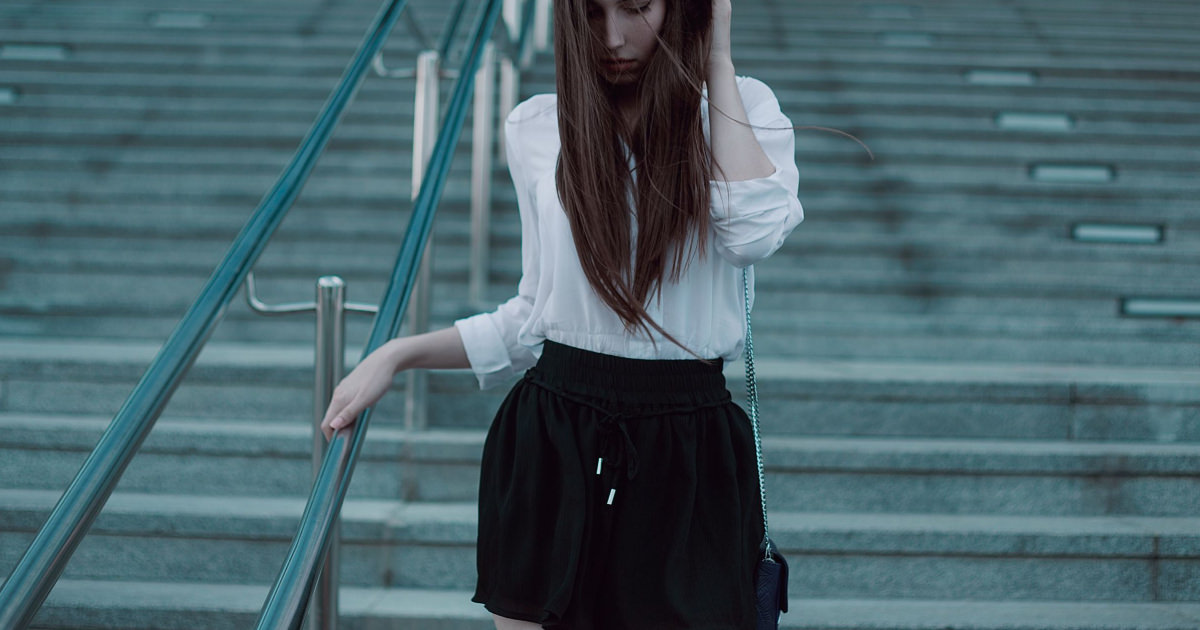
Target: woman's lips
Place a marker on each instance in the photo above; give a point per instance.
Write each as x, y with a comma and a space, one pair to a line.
620, 65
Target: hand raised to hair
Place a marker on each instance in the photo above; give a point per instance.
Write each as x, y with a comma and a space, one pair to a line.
722, 18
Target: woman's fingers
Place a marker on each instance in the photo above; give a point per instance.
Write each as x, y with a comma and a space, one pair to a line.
341, 411
362, 388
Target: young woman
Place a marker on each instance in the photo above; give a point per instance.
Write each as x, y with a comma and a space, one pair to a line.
618, 487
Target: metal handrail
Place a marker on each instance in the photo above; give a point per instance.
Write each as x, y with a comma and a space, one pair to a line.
289, 595
515, 53
43, 562
451, 30
414, 28
515, 47
330, 308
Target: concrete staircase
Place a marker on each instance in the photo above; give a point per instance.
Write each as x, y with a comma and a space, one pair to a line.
962, 429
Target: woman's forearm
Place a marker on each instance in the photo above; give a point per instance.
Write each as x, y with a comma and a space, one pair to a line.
372, 377
735, 150
436, 350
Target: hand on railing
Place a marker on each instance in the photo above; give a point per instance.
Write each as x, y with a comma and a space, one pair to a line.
369, 381
361, 388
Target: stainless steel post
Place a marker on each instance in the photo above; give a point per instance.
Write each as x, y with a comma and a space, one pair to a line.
425, 130
512, 17
508, 71
541, 25
330, 365
483, 131
508, 100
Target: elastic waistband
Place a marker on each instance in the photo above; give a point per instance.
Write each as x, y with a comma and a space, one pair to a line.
629, 381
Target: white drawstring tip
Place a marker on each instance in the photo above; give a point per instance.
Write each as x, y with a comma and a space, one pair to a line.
611, 493
599, 465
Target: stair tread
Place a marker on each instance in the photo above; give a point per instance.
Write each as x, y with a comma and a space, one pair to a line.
359, 602
83, 350
199, 437
453, 521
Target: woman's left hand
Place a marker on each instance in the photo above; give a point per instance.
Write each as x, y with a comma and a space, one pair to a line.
722, 17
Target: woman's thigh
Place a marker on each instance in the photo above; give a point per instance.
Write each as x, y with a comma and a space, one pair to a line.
504, 623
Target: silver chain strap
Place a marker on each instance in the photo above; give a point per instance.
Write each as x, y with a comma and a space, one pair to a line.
752, 403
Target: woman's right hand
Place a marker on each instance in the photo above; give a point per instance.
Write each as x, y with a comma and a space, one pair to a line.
366, 384
362, 388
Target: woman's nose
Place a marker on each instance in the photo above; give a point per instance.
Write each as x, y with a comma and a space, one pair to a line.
614, 36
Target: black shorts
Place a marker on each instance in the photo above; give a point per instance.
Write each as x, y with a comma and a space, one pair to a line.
619, 494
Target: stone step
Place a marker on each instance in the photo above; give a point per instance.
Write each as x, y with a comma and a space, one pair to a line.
347, 19
108, 294
893, 196
870, 475
61, 101
87, 293
755, 33
63, 239
175, 605
757, 29
1122, 126
250, 85
385, 544
166, 146
243, 189
859, 63
1128, 124
826, 397
1148, 337
52, 289
1013, 177
936, 75
40, 116
1036, 262
280, 24
829, 227
944, 63
185, 54
1144, 342
1152, 12
128, 605
970, 346
1164, 14
802, 99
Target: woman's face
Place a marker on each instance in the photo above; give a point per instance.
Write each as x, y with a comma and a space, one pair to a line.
627, 31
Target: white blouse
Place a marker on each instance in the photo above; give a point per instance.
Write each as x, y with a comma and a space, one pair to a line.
703, 310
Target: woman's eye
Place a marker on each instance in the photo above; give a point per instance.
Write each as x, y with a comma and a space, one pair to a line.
641, 8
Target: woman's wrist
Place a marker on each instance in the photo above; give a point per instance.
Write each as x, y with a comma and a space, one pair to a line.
720, 64
397, 354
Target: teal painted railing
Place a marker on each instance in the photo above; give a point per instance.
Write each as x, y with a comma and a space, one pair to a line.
43, 562
40, 567
289, 596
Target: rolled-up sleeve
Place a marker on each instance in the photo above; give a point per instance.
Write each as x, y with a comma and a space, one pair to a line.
490, 339
752, 218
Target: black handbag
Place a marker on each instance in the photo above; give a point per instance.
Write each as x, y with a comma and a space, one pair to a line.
771, 578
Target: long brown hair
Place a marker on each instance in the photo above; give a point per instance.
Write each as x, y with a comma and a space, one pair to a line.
673, 161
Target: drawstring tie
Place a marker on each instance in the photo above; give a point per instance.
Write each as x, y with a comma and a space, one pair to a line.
616, 447
616, 450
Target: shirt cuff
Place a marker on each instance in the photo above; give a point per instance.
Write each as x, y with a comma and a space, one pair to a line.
763, 192
752, 218
486, 351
